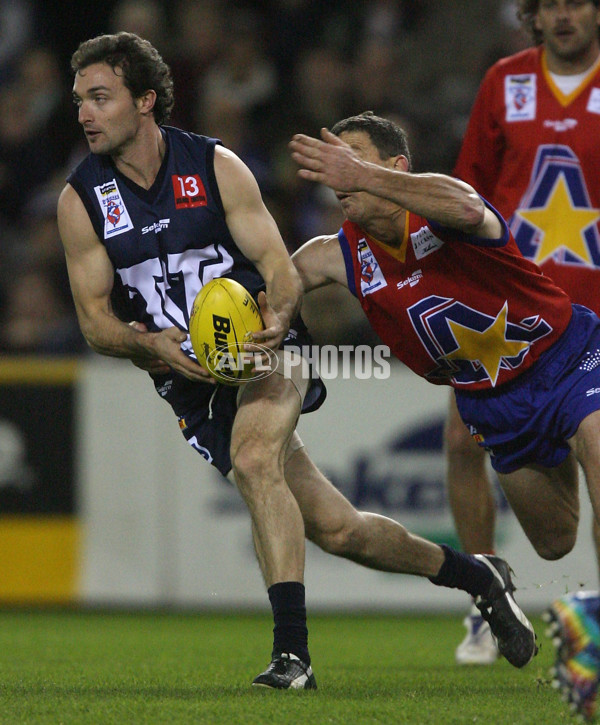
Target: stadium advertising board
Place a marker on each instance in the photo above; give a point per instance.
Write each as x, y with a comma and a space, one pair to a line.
39, 530
162, 527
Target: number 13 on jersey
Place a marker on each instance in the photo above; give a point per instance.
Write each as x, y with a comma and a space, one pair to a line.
189, 191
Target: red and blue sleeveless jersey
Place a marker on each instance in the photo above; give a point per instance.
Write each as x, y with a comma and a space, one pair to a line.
533, 152
165, 242
457, 309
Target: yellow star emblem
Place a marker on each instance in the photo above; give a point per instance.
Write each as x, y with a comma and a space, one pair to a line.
487, 347
561, 224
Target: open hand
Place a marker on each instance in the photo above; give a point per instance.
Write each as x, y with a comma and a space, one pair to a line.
330, 161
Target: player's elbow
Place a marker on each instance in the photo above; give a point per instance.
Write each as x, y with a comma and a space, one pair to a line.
306, 284
308, 279
302, 276
93, 342
87, 330
90, 334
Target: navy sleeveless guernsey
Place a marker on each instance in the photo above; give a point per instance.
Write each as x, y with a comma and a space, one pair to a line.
165, 243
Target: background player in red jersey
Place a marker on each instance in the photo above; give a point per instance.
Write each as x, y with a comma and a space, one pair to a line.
474, 319
531, 148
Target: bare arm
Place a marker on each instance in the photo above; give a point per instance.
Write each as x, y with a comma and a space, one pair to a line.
256, 234
91, 277
320, 262
449, 201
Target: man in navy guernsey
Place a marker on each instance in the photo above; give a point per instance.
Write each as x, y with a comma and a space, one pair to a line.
150, 216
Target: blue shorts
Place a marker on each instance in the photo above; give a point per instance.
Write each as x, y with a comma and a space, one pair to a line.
206, 412
530, 419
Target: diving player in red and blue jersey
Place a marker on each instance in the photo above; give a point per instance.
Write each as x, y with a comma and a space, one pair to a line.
151, 215
442, 282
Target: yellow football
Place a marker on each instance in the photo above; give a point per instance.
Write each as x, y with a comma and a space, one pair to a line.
224, 316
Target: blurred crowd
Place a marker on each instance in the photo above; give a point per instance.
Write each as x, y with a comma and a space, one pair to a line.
251, 73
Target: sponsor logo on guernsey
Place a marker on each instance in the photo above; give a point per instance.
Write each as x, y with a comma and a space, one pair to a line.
593, 105
425, 242
371, 276
164, 389
157, 226
520, 97
116, 216
414, 279
590, 360
564, 124
477, 437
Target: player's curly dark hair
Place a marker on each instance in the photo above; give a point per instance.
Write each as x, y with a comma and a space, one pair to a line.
388, 138
526, 11
142, 67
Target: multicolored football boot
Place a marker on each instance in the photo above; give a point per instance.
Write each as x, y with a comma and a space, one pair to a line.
574, 626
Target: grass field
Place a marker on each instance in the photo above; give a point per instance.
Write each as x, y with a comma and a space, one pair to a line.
125, 668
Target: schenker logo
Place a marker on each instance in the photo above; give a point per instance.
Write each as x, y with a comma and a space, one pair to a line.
157, 226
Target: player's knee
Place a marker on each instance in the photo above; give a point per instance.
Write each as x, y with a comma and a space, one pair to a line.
556, 545
252, 463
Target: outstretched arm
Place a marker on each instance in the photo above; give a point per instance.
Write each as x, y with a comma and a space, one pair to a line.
320, 262
91, 277
438, 197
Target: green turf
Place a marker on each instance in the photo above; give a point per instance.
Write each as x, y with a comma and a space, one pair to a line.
125, 668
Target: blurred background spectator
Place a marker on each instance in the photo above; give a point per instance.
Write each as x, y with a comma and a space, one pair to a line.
16, 30
251, 72
36, 318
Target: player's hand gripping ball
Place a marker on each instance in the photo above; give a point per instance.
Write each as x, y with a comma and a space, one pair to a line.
224, 316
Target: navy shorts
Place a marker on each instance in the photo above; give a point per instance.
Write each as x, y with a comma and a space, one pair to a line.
530, 419
206, 412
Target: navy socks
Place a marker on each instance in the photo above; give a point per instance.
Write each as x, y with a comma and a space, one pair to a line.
290, 633
463, 571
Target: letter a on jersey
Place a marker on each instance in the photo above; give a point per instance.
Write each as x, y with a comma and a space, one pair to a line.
469, 345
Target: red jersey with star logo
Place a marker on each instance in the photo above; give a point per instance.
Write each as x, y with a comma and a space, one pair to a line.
533, 152
458, 310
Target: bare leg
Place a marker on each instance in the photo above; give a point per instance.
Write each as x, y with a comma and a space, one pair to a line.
474, 511
381, 543
586, 446
573, 618
336, 526
263, 425
596, 537
469, 487
546, 502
